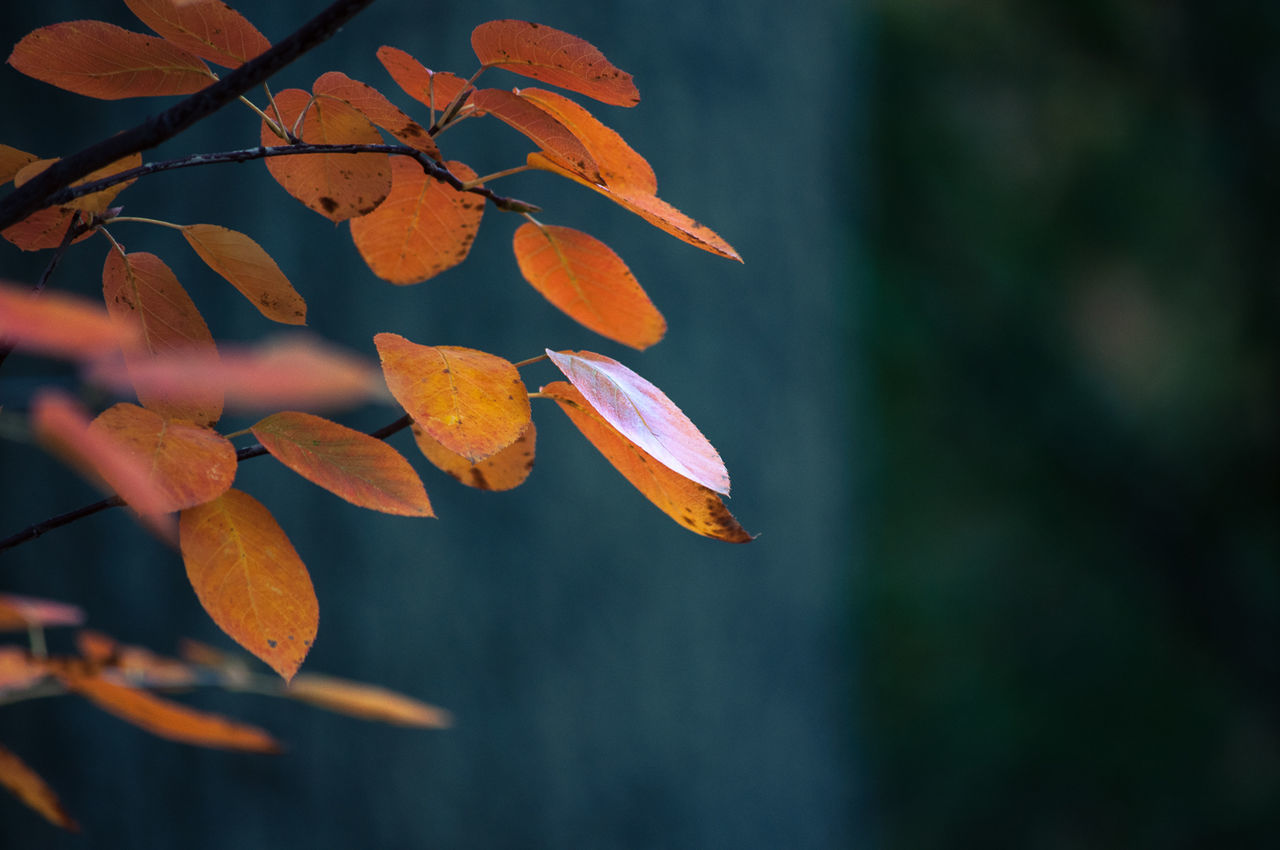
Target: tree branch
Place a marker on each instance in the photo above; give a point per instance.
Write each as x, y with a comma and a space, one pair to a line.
34, 194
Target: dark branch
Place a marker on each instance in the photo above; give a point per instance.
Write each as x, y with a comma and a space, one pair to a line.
34, 194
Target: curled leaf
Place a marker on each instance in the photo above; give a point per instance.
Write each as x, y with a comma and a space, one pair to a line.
621, 168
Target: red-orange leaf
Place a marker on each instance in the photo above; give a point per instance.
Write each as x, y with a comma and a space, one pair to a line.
506, 469
687, 502
472, 403
18, 613
12, 161
248, 268
19, 669
46, 228
621, 168
554, 57
374, 105
28, 787
366, 701
423, 228
101, 60
250, 579
361, 469
584, 277
644, 415
188, 464
433, 89
140, 289
542, 129
208, 28
60, 325
167, 719
338, 186
649, 207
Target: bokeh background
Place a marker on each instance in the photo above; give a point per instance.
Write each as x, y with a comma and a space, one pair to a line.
997, 385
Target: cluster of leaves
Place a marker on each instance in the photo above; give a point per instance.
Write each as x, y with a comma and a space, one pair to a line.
413, 215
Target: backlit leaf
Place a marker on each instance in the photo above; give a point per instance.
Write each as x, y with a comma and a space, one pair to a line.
12, 161
687, 502
366, 701
361, 469
644, 415
167, 719
60, 325
584, 277
430, 88
101, 60
338, 186
27, 786
423, 228
621, 168
248, 268
472, 403
555, 57
140, 289
374, 105
506, 469
46, 228
188, 464
649, 207
542, 129
208, 28
18, 613
250, 579
97, 202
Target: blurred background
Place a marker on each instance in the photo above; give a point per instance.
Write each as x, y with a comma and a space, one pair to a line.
997, 386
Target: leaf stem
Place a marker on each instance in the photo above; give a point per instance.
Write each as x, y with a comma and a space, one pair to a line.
531, 361
146, 221
471, 184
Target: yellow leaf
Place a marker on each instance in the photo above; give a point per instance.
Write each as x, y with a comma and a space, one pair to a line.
244, 265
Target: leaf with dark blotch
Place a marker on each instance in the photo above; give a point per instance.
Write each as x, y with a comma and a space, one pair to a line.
433, 89
60, 325
210, 29
621, 168
539, 127
374, 105
102, 60
27, 786
695, 507
244, 265
506, 469
555, 57
369, 702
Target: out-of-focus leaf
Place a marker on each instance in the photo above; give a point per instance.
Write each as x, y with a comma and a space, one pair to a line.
27, 786
542, 129
621, 168
18, 613
210, 29
505, 469
248, 268
250, 579
134, 664
19, 670
369, 702
61, 325
555, 57
373, 104
433, 89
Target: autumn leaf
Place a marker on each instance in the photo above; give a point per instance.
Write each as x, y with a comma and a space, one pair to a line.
372, 104
644, 415
423, 228
27, 786
19, 613
361, 469
12, 161
101, 60
248, 268
621, 168
542, 129
167, 719
250, 579
692, 505
135, 665
584, 277
210, 29
505, 469
59, 325
46, 228
19, 670
555, 57
649, 207
187, 464
472, 403
338, 186
140, 289
433, 89
366, 701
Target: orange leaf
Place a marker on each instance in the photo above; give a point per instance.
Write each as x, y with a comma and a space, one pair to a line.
433, 89
293, 372
554, 57
542, 129
250, 579
361, 469
367, 701
208, 28
12, 161
23, 612
140, 289
649, 207
372, 104
687, 502
472, 403
47, 227
60, 325
101, 60
423, 228
584, 277
134, 664
19, 670
338, 186
621, 168
248, 268
644, 415
167, 719
187, 464
28, 787
505, 469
